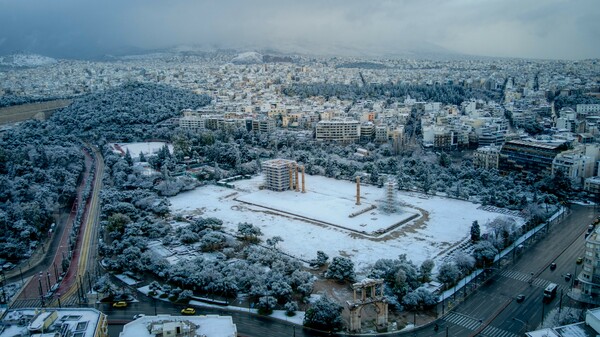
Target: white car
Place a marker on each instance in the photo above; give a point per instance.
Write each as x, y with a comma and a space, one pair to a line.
138, 316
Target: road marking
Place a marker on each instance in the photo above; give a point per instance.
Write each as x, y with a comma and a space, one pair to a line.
515, 275
462, 320
492, 331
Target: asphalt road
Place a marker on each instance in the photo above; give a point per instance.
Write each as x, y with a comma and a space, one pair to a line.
493, 311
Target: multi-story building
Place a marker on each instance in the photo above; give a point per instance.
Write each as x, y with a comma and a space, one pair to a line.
381, 133
528, 157
589, 278
338, 130
486, 157
367, 131
592, 185
81, 322
397, 138
575, 166
588, 108
263, 125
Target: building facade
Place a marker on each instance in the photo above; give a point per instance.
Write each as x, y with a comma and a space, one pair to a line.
486, 157
528, 157
589, 278
338, 130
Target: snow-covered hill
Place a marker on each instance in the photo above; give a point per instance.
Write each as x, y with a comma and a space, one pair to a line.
25, 60
250, 57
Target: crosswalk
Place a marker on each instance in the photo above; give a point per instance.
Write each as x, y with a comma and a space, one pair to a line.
537, 282
472, 323
492, 331
515, 275
26, 303
462, 320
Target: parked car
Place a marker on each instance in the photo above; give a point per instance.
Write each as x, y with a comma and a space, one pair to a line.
579, 260
120, 304
188, 311
138, 316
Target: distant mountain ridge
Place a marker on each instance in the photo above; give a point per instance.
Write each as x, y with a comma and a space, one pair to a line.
25, 60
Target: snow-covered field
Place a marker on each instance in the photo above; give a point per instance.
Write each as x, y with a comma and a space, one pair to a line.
442, 223
147, 148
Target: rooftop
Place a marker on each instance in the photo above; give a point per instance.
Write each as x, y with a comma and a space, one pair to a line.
80, 322
209, 325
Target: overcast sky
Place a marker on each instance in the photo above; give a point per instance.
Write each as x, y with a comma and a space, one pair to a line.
551, 29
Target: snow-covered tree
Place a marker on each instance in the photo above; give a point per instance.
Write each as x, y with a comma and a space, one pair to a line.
249, 232
324, 314
320, 261
290, 308
425, 270
341, 269
484, 253
448, 274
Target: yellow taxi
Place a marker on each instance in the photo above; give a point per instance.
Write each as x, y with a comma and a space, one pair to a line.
188, 311
120, 304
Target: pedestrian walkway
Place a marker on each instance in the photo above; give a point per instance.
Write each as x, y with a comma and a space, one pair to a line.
515, 275
472, 323
492, 331
536, 282
462, 320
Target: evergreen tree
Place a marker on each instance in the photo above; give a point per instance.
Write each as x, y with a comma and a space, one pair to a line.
475, 231
324, 315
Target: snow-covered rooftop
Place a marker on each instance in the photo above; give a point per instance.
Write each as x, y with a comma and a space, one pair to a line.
79, 320
209, 325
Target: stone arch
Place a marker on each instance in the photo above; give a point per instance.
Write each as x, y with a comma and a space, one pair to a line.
369, 294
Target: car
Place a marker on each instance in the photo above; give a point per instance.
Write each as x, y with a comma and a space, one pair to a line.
120, 304
138, 316
520, 298
188, 311
579, 260
568, 277
553, 266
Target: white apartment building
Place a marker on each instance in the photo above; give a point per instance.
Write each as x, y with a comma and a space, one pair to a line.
486, 157
589, 278
381, 133
338, 130
575, 166
588, 108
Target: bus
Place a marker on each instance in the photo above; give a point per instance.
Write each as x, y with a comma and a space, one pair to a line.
550, 292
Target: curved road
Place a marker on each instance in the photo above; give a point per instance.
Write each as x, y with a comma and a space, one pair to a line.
46, 272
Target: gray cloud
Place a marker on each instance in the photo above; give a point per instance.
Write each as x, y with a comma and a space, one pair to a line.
510, 28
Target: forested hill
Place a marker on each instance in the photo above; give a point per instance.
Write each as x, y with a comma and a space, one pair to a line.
41, 162
130, 112
444, 93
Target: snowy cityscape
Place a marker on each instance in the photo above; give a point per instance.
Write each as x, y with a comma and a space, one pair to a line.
331, 180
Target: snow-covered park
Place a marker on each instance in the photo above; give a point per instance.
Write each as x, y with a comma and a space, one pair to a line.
424, 226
